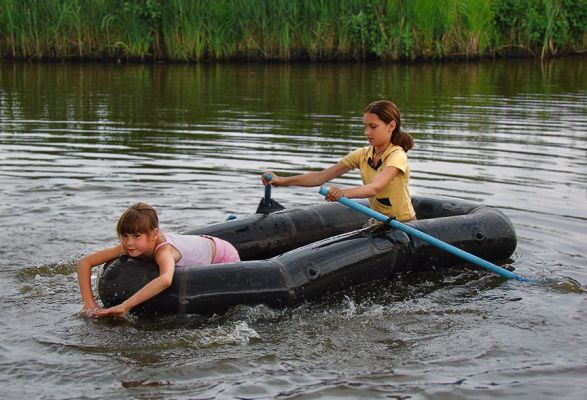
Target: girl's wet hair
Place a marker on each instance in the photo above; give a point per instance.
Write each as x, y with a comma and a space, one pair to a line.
387, 112
138, 218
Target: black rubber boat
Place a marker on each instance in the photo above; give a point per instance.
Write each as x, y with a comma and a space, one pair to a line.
291, 256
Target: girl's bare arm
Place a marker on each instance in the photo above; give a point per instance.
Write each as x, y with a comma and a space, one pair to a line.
84, 272
166, 263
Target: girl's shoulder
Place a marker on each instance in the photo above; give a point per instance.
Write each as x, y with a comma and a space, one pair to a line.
356, 157
395, 156
360, 152
394, 148
395, 151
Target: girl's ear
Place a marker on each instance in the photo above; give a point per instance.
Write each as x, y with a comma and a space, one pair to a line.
392, 126
155, 233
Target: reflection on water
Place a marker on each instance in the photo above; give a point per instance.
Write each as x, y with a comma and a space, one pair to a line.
79, 143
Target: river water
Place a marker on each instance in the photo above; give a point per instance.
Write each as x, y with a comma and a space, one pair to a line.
79, 143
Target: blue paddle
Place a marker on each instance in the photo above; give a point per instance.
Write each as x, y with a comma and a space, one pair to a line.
427, 238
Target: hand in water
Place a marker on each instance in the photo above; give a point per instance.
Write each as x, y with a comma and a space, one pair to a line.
88, 309
116, 311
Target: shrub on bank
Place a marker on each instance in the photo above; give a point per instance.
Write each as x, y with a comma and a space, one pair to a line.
284, 30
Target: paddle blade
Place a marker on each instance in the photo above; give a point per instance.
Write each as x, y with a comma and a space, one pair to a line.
268, 207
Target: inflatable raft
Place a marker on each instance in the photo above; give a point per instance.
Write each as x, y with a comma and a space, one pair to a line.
292, 256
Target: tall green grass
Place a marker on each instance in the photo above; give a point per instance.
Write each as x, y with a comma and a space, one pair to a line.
283, 30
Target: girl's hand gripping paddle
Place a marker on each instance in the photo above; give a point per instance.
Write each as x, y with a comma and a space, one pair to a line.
267, 204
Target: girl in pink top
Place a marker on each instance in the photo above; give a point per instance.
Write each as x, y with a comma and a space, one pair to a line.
138, 230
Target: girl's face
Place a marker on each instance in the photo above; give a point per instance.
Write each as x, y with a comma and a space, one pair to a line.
378, 133
138, 244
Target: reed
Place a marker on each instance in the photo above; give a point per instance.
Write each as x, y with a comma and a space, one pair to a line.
284, 30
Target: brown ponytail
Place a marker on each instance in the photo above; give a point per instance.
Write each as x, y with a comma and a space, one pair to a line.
387, 112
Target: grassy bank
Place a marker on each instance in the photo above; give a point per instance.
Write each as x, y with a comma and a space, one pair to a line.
283, 30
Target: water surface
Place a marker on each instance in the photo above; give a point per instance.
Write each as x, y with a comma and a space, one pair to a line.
79, 143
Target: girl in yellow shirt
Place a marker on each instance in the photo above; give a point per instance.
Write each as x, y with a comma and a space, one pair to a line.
383, 165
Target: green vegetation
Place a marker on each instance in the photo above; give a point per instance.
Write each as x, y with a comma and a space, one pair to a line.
283, 30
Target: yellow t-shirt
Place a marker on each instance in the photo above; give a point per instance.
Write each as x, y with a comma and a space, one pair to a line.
394, 199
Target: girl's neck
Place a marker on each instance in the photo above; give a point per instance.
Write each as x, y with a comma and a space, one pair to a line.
160, 239
379, 150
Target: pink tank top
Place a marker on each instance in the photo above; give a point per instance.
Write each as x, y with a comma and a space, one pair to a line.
194, 250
